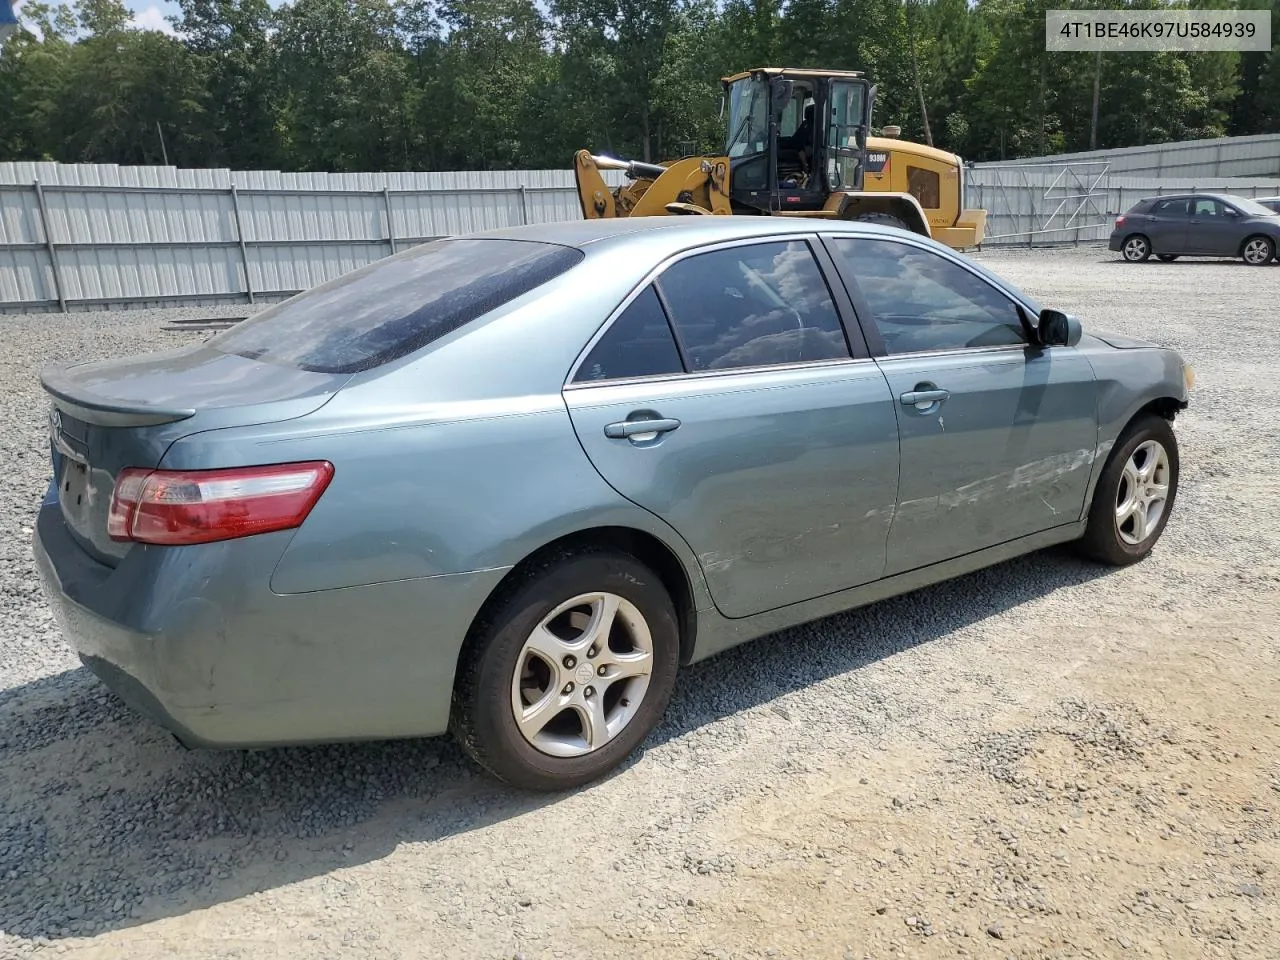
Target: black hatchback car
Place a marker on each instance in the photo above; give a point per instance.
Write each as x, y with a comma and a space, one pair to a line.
1198, 225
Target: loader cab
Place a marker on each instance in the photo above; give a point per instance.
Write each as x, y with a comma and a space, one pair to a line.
794, 137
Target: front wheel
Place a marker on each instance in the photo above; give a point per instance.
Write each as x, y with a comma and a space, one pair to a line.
1135, 494
1137, 248
565, 677
1258, 251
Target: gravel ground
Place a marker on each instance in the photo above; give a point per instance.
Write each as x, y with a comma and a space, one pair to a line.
1043, 759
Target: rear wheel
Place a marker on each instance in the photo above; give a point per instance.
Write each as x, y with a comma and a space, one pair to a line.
569, 672
1135, 493
1166, 257
1137, 248
1258, 251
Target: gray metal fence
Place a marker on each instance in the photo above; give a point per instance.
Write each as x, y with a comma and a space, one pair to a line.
1252, 156
85, 237
1075, 202
81, 237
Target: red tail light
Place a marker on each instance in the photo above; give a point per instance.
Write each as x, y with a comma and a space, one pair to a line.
173, 507
1120, 221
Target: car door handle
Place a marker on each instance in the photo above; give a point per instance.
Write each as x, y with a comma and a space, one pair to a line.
913, 397
630, 428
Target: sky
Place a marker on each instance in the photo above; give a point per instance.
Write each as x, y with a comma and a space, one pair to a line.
151, 15
147, 14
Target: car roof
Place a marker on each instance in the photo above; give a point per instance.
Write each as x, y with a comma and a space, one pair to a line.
665, 236
1200, 195
681, 231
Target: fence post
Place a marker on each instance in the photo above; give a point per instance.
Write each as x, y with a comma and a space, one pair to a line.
391, 226
1031, 226
48, 242
244, 250
524, 205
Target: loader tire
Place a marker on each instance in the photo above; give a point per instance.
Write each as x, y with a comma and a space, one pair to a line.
886, 219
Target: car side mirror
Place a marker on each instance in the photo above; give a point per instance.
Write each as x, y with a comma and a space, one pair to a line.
1058, 329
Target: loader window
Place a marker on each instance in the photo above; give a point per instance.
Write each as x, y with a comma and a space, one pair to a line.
753, 306
925, 186
748, 118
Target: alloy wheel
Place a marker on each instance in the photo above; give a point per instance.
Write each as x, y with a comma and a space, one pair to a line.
1143, 492
1136, 248
582, 674
1257, 251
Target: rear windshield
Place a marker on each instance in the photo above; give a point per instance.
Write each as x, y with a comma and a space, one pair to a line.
393, 306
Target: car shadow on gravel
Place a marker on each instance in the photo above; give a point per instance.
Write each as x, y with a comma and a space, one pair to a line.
106, 823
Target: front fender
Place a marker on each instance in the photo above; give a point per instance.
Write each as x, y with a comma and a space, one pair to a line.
901, 205
1131, 380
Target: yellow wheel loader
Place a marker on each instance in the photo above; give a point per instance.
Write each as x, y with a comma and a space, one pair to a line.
798, 145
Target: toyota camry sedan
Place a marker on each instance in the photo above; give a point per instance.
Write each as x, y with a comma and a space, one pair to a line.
509, 484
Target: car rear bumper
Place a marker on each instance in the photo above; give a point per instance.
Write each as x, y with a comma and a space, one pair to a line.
221, 661
1116, 242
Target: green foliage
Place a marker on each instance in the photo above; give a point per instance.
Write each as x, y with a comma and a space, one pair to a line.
499, 84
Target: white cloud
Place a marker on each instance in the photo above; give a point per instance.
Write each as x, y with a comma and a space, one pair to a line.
152, 19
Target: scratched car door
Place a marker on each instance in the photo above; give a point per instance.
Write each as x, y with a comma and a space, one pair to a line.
725, 399
997, 437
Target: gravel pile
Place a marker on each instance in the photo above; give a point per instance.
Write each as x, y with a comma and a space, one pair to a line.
1042, 759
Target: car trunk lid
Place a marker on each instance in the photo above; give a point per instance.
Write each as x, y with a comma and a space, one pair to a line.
112, 414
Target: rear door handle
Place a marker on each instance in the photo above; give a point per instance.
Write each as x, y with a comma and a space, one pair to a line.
630, 428
915, 397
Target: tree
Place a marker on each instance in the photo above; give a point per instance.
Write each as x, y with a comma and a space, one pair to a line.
613, 49
493, 68
232, 39
500, 84
121, 92
341, 86
31, 71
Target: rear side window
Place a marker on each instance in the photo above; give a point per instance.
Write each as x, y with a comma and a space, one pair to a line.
1170, 208
394, 306
639, 343
753, 306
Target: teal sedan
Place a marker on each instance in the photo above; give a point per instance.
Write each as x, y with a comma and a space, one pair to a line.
509, 484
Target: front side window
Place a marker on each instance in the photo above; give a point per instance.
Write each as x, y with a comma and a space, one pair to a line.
921, 301
1206, 208
396, 305
638, 343
755, 305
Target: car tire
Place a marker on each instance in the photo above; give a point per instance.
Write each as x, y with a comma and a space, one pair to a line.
1122, 526
1166, 257
1258, 251
1136, 248
553, 608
